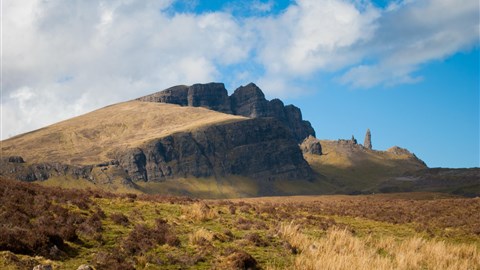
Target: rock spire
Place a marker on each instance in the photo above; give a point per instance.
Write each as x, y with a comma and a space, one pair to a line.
368, 140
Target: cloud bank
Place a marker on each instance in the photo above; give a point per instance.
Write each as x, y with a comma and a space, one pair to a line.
64, 58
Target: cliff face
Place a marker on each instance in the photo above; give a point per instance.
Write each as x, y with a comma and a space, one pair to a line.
246, 101
258, 148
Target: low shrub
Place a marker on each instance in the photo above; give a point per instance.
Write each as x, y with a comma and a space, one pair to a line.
143, 238
120, 219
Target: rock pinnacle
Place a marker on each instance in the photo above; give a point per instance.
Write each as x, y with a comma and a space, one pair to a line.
368, 140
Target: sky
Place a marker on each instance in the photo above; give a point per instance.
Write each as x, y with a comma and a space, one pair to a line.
406, 69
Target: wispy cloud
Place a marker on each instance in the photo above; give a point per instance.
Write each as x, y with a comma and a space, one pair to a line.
62, 58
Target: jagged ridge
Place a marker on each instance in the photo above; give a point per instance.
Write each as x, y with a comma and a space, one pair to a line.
246, 101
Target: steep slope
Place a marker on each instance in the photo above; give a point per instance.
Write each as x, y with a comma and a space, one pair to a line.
96, 136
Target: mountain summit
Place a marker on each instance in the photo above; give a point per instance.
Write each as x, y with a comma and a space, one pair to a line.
248, 101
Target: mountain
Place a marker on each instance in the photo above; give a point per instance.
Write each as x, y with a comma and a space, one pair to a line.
199, 141
137, 143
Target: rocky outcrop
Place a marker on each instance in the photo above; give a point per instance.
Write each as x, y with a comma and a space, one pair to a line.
259, 148
212, 95
353, 140
405, 153
173, 95
250, 101
42, 171
367, 143
103, 173
15, 159
399, 151
246, 100
311, 145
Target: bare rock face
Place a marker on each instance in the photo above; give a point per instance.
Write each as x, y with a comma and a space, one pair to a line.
259, 148
311, 145
368, 140
246, 100
249, 101
41, 171
173, 95
212, 95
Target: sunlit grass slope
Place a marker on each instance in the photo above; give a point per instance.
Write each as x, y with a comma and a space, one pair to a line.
94, 137
356, 169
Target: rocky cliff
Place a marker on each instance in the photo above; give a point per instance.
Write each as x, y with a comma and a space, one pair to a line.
246, 101
257, 148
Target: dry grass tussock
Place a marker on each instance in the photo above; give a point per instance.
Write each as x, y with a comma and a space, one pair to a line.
199, 211
339, 249
201, 236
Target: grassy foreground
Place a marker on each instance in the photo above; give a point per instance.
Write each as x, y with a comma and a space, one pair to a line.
68, 228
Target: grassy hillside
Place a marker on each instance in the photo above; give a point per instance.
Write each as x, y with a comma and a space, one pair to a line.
94, 137
205, 188
68, 228
352, 168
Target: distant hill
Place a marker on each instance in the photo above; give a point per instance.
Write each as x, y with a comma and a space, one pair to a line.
352, 168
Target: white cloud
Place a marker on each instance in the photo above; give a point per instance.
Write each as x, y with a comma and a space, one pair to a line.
262, 6
63, 58
415, 33
311, 36
74, 56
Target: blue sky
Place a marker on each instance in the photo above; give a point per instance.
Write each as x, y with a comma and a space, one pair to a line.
406, 69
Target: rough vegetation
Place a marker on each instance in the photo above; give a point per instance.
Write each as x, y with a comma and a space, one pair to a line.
65, 229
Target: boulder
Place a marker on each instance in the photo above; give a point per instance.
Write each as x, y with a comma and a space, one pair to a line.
311, 145
85, 267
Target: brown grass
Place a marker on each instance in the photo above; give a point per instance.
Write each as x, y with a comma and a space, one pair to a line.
437, 214
339, 249
392, 231
201, 237
96, 136
199, 211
